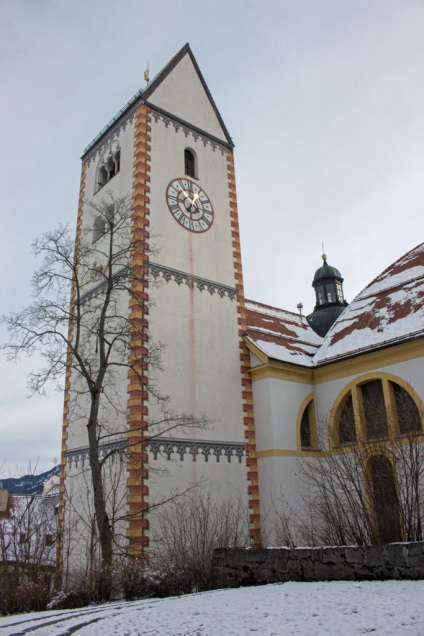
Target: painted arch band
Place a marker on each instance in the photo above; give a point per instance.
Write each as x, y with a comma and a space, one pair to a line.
189, 205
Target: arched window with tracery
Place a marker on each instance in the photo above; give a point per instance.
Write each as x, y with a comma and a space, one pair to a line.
383, 409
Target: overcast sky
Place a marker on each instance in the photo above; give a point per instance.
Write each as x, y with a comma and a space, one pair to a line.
324, 100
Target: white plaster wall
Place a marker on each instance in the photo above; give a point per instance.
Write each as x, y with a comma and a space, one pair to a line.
225, 480
112, 412
276, 405
201, 360
183, 95
207, 254
279, 491
201, 364
79, 510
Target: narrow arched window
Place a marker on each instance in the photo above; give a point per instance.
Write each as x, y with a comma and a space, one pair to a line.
385, 500
305, 430
308, 429
189, 163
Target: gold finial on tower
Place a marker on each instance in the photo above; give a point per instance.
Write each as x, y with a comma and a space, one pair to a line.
146, 74
324, 255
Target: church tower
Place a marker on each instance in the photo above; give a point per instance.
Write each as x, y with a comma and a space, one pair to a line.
169, 151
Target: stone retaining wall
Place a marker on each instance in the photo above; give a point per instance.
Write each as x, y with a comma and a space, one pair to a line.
235, 567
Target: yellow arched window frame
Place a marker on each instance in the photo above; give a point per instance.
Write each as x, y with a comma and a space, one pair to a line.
375, 406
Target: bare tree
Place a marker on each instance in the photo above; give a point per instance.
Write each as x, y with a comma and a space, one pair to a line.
189, 529
93, 337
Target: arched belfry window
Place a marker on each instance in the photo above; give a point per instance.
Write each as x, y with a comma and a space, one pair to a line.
190, 163
108, 167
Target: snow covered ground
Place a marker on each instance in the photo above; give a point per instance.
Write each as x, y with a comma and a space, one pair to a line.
313, 609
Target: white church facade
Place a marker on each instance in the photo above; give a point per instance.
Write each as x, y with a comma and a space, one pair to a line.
261, 380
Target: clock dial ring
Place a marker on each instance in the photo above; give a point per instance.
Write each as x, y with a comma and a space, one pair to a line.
189, 205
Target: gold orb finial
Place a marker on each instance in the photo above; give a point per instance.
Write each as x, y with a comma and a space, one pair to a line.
146, 74
324, 257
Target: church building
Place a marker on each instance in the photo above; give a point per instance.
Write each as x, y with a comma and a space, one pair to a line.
259, 381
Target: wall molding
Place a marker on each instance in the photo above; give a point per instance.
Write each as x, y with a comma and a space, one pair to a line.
188, 130
113, 129
168, 274
165, 447
78, 456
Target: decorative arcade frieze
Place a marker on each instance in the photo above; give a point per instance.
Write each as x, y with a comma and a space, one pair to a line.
164, 447
168, 274
182, 278
167, 447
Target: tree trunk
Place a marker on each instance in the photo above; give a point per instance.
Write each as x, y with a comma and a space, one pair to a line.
102, 518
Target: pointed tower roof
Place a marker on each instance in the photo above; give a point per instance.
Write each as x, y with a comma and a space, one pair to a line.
148, 94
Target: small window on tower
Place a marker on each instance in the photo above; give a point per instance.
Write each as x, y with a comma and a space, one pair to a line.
109, 167
331, 292
190, 163
321, 295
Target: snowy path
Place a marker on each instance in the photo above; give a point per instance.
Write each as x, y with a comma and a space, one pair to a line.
337, 608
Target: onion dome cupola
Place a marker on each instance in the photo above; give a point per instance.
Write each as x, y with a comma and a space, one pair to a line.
328, 285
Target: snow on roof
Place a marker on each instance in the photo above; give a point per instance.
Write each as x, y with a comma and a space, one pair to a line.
281, 335
389, 310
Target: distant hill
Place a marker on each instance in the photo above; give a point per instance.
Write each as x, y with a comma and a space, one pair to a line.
28, 484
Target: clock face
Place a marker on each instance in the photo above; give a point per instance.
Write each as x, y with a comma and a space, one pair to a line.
189, 205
